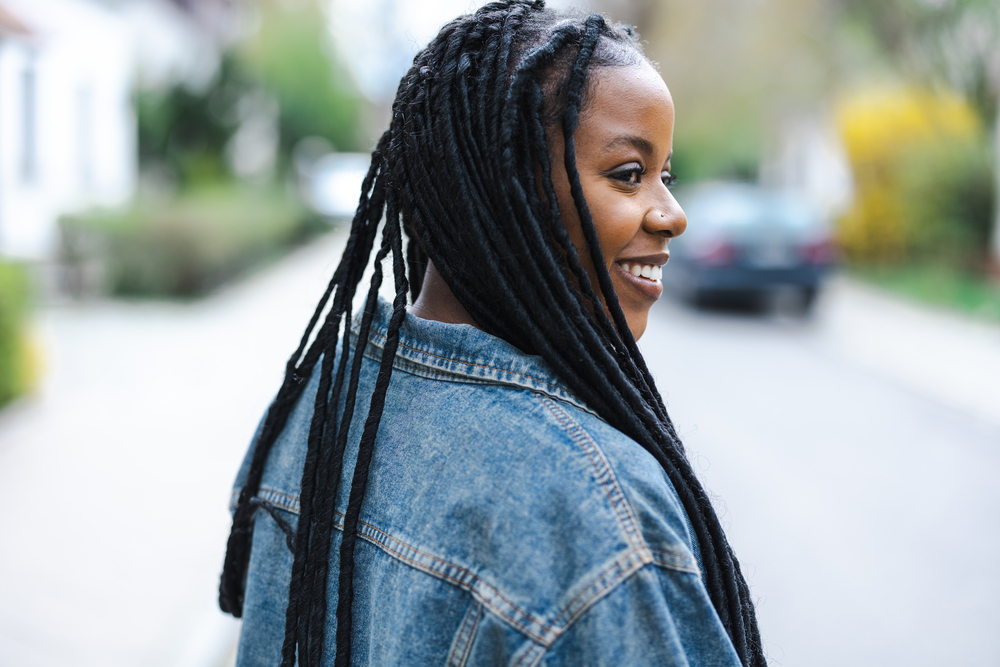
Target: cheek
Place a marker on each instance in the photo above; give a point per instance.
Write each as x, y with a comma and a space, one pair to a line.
617, 223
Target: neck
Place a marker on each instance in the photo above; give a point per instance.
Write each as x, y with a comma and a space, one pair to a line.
437, 302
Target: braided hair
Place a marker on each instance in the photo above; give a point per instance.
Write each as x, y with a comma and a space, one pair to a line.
463, 177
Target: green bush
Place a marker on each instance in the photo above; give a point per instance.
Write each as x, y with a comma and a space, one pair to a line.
188, 245
948, 202
14, 357
923, 180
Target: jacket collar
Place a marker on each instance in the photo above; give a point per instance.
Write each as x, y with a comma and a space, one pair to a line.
462, 353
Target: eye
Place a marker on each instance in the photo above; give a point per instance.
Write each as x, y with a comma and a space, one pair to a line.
667, 178
629, 174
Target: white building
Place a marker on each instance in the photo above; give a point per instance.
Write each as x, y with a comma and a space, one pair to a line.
67, 128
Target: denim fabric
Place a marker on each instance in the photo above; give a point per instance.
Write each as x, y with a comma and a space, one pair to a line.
504, 524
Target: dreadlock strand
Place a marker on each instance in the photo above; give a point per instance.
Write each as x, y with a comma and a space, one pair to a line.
344, 602
238, 547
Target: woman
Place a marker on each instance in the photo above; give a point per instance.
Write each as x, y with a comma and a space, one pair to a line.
494, 479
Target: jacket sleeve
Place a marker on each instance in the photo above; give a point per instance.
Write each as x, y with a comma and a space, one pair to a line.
658, 616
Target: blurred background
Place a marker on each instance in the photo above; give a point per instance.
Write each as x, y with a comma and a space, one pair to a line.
174, 181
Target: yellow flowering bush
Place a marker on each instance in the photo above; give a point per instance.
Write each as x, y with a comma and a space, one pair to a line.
922, 177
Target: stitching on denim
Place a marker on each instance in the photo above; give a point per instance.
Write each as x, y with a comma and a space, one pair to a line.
419, 369
675, 560
463, 578
458, 644
469, 363
464, 585
275, 498
603, 469
472, 635
266, 495
532, 654
645, 558
460, 651
363, 531
617, 572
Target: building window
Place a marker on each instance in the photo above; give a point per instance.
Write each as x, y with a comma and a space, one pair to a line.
29, 124
85, 136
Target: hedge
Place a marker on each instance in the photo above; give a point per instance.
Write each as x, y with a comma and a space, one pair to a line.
185, 246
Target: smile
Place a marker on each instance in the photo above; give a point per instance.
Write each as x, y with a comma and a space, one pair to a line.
650, 272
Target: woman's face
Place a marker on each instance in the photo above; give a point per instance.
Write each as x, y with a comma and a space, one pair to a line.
623, 146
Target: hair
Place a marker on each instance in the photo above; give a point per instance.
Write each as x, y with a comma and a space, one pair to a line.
464, 173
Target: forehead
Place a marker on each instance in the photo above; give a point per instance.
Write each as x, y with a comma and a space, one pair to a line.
630, 100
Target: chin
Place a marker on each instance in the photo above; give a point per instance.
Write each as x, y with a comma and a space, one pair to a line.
637, 323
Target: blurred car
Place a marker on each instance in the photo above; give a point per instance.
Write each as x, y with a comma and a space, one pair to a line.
743, 240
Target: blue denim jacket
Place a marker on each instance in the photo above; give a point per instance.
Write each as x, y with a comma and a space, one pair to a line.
504, 524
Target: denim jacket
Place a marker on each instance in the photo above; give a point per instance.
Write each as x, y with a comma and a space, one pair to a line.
505, 523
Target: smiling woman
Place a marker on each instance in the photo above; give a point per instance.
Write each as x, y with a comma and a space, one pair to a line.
623, 150
513, 490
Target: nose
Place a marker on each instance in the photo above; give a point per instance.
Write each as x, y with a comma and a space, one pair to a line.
665, 217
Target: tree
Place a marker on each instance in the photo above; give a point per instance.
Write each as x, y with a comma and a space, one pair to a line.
951, 41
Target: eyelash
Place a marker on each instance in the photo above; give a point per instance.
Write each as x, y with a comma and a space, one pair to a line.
625, 176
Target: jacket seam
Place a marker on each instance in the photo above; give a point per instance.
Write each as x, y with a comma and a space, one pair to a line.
634, 572
610, 578
603, 469
267, 495
465, 362
364, 531
459, 654
674, 560
544, 634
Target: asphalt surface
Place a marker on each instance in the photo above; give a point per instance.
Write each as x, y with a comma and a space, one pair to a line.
854, 456
855, 471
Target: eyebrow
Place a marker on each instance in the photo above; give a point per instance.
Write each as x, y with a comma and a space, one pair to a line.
641, 144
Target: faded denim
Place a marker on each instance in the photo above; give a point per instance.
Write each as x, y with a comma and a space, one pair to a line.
504, 524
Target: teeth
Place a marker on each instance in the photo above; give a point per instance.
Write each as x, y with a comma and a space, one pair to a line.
648, 271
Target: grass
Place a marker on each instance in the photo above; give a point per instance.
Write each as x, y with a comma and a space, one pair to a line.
15, 358
940, 285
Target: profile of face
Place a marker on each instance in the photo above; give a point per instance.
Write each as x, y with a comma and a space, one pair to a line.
623, 146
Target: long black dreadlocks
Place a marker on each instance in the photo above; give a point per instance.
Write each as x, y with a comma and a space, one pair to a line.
464, 173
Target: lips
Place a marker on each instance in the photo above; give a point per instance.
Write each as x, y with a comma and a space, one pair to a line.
643, 275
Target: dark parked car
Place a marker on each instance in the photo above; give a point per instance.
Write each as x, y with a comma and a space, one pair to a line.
745, 241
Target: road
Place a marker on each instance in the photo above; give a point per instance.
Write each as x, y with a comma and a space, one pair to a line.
854, 457
856, 475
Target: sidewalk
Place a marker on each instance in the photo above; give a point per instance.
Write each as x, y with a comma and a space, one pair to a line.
947, 357
116, 477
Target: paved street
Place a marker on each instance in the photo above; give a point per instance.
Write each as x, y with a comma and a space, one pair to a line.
855, 469
855, 456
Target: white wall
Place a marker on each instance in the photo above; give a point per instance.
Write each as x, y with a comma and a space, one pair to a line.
84, 126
